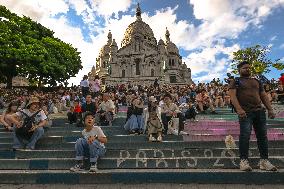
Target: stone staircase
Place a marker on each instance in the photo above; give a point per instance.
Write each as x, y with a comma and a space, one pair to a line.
200, 157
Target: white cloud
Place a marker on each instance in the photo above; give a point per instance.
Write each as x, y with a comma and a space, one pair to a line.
206, 60
281, 46
220, 21
36, 9
109, 7
273, 38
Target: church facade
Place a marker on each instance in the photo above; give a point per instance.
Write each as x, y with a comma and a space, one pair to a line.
141, 59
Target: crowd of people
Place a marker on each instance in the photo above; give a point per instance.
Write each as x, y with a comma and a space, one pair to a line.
154, 111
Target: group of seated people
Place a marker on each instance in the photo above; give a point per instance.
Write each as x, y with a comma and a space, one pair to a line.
102, 107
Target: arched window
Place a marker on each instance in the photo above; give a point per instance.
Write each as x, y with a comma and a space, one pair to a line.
152, 73
137, 67
123, 74
173, 62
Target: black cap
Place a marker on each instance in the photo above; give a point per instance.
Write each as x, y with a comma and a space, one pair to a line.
242, 63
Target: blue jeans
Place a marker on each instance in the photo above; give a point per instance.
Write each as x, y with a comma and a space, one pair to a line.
256, 119
18, 141
94, 150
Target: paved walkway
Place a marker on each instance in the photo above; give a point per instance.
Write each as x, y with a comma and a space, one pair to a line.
143, 186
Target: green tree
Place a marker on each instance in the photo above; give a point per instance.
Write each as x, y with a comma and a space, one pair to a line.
257, 57
29, 49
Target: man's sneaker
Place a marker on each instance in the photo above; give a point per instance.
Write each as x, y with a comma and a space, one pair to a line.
264, 164
93, 168
244, 165
159, 139
30, 147
78, 167
183, 133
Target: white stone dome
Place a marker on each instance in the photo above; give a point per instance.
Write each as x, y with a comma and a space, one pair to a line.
138, 30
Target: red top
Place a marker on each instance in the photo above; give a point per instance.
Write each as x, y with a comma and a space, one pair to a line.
77, 109
281, 79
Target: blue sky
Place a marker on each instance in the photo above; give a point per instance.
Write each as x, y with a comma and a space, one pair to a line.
205, 31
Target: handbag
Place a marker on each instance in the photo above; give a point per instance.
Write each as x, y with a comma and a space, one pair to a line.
173, 126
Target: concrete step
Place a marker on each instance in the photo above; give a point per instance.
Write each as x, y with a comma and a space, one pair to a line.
185, 162
149, 153
70, 133
68, 127
146, 145
222, 124
229, 131
221, 137
114, 138
137, 176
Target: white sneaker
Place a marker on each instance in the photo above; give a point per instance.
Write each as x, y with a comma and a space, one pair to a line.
264, 164
244, 165
159, 139
175, 132
94, 169
152, 139
183, 133
77, 168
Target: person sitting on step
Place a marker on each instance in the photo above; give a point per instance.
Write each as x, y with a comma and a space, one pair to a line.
170, 110
75, 112
88, 106
5, 117
190, 111
204, 102
90, 145
29, 125
106, 111
154, 125
135, 123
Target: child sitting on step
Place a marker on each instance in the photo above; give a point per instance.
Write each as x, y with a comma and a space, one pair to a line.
90, 145
154, 124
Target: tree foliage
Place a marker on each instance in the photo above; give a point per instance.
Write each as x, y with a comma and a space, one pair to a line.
257, 57
29, 49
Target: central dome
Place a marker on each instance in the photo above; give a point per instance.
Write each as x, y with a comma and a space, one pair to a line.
138, 30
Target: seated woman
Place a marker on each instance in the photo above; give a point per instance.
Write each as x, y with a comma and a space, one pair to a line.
189, 110
135, 123
170, 110
5, 118
219, 102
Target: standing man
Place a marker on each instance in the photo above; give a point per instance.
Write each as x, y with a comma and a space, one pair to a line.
247, 95
85, 86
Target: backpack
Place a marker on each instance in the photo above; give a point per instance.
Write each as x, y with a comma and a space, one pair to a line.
238, 83
23, 131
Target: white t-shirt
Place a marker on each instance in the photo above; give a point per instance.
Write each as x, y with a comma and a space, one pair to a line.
84, 83
107, 105
95, 131
38, 118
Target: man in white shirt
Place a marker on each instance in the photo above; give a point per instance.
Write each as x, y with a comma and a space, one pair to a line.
85, 86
